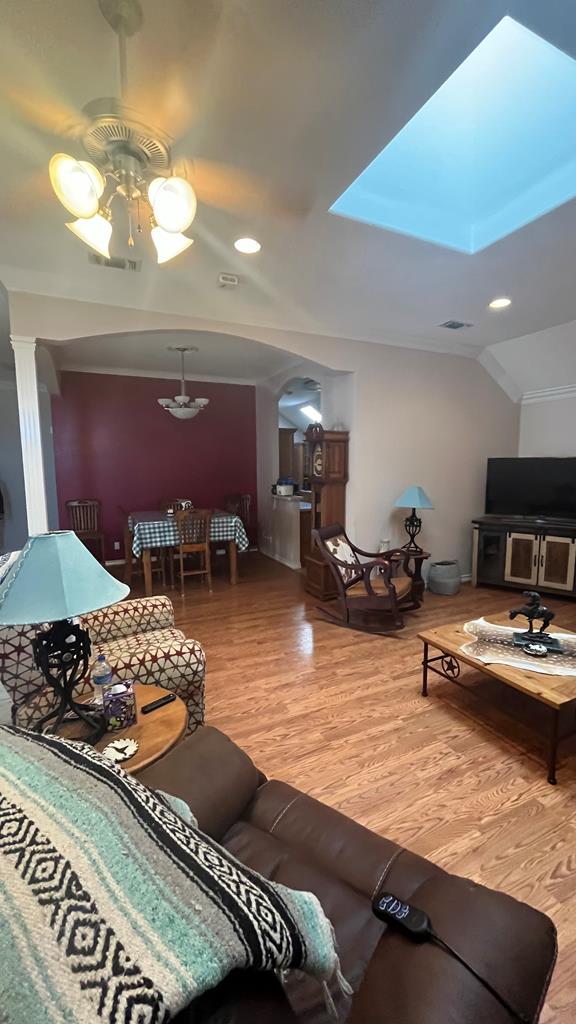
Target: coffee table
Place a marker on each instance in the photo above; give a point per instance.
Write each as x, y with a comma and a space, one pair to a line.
556, 693
156, 732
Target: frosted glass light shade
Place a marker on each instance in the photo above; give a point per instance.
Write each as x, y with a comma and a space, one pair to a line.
95, 231
173, 201
55, 577
184, 412
169, 244
77, 183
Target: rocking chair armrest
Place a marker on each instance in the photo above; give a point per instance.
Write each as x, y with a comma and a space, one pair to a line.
386, 572
399, 555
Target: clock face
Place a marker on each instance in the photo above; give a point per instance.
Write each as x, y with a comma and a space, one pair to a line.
318, 461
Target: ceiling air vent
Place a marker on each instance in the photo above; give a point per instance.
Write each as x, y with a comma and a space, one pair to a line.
116, 262
455, 325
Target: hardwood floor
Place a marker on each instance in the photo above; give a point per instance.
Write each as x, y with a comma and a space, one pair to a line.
339, 714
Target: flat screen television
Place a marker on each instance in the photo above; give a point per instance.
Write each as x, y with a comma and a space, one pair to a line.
545, 488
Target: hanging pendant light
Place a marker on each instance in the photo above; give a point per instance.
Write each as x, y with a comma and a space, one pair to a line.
182, 407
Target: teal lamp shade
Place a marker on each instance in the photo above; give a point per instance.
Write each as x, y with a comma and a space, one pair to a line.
55, 577
413, 497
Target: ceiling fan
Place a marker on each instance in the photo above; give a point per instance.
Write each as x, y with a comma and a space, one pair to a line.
125, 160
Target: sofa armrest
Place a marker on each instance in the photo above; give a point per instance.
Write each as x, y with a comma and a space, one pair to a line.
129, 618
211, 774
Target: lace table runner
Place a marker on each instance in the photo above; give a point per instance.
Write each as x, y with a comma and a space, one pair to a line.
494, 645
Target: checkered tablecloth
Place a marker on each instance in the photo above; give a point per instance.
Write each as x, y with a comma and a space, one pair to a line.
156, 530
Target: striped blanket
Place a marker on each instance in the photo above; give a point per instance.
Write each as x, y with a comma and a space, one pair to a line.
114, 909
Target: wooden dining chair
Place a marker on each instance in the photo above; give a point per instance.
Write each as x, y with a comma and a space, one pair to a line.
194, 539
84, 517
137, 567
241, 505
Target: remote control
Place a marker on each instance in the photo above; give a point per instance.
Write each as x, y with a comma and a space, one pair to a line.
158, 703
414, 922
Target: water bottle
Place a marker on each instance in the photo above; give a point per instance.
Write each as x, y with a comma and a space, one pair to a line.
101, 677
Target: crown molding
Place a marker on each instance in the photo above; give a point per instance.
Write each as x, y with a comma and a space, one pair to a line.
549, 394
121, 371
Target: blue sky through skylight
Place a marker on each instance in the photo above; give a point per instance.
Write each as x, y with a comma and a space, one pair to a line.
493, 149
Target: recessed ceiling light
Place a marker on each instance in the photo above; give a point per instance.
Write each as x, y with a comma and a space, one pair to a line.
247, 245
500, 303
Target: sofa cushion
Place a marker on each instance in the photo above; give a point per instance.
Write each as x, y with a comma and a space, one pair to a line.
214, 776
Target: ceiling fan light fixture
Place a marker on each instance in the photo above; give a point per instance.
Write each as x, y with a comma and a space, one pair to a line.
169, 244
173, 201
95, 231
77, 183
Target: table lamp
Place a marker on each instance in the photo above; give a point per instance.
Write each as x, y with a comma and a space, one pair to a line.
414, 498
53, 580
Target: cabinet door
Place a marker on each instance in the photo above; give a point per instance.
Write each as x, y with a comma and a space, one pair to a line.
556, 566
521, 564
490, 554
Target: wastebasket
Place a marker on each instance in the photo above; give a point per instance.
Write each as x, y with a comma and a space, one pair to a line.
444, 577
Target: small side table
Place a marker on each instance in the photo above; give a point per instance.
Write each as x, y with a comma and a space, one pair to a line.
156, 732
418, 581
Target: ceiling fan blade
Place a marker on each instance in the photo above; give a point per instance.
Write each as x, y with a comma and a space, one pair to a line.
47, 113
164, 103
237, 191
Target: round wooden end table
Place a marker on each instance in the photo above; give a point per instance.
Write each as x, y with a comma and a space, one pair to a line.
156, 732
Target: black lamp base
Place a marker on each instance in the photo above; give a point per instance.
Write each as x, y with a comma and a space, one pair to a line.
62, 653
412, 525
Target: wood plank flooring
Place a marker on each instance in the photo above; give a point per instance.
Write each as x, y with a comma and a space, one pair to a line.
339, 714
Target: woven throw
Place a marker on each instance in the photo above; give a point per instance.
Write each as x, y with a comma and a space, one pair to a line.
494, 645
115, 909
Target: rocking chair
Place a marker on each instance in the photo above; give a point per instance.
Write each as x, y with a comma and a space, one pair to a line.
370, 597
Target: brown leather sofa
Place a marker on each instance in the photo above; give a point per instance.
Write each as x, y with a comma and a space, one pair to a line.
302, 843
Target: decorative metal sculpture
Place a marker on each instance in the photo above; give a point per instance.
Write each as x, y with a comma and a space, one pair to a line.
534, 612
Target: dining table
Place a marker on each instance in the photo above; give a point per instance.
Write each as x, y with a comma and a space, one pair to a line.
151, 530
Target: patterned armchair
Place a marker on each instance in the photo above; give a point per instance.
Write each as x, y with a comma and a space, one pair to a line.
140, 642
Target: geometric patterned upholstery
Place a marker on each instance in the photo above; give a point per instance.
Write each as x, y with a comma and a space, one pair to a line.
140, 642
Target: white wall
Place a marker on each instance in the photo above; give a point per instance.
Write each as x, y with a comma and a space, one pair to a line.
414, 418
548, 428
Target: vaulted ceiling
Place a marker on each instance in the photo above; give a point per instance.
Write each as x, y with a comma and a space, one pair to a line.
282, 104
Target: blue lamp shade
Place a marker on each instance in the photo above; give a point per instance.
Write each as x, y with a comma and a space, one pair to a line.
413, 497
55, 577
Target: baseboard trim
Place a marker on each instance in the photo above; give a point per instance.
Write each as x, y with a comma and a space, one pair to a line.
465, 577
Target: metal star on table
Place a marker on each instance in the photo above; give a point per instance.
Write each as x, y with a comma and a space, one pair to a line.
450, 666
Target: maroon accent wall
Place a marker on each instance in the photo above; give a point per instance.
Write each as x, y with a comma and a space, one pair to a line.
112, 441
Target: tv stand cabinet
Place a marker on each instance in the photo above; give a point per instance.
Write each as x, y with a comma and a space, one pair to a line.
525, 553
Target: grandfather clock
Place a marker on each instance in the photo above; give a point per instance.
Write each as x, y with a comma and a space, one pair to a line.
328, 459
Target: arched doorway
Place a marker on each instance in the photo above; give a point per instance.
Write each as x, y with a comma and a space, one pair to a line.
299, 405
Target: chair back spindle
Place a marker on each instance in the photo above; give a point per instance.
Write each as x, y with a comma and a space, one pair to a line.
84, 515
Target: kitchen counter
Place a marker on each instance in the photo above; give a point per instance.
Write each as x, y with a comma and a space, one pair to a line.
286, 528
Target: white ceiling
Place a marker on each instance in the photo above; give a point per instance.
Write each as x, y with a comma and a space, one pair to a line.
302, 94
299, 392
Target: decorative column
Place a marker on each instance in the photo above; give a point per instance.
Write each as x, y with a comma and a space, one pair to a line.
30, 433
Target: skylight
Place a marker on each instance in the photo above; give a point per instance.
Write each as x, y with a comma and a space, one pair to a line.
313, 414
492, 150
